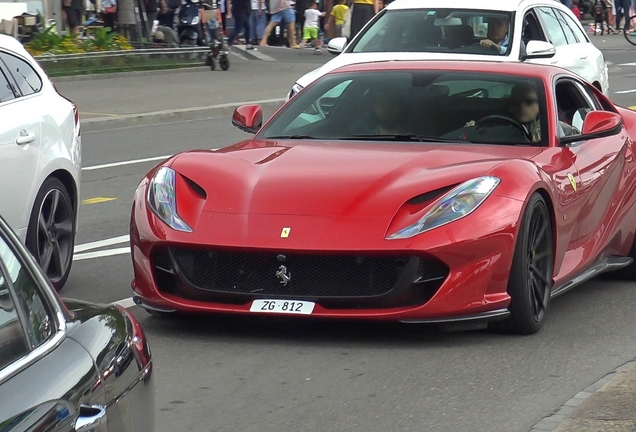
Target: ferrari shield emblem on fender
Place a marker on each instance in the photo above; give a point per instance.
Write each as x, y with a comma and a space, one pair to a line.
283, 275
285, 232
572, 181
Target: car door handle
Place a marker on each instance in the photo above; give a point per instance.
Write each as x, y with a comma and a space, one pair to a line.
89, 417
583, 56
25, 138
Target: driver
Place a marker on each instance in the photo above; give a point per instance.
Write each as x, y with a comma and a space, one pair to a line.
524, 109
497, 37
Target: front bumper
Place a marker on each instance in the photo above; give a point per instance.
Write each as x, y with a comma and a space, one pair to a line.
468, 261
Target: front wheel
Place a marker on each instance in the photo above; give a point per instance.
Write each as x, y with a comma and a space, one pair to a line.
51, 232
530, 280
224, 62
629, 36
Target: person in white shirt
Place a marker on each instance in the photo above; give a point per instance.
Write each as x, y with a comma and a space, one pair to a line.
312, 26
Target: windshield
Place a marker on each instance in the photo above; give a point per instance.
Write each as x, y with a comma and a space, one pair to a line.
419, 105
458, 31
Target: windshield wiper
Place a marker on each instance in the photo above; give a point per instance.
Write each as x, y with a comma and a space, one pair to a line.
399, 137
292, 137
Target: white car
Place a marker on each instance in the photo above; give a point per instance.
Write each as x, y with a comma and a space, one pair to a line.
40, 161
540, 31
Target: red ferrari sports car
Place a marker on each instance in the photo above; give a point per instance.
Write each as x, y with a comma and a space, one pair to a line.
420, 192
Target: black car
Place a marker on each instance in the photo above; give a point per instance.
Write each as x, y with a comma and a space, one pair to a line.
67, 366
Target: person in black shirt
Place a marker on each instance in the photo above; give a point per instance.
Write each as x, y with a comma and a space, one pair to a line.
240, 9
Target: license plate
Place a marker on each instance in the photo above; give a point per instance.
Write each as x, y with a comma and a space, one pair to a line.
283, 306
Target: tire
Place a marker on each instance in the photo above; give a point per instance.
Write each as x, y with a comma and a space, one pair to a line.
224, 62
631, 39
530, 280
51, 231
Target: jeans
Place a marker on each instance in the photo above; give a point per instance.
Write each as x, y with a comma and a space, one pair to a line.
257, 24
241, 22
622, 8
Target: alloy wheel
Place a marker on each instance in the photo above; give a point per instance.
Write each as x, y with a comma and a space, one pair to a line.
539, 259
55, 235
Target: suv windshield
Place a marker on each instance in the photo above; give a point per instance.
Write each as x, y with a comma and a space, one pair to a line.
461, 31
416, 105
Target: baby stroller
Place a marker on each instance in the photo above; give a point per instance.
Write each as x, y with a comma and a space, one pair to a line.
218, 49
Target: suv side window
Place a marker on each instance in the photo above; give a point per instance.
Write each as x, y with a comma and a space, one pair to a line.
25, 76
569, 33
576, 29
552, 26
531, 29
39, 326
12, 341
6, 89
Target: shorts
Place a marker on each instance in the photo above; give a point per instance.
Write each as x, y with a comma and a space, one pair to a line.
287, 15
73, 17
339, 28
310, 33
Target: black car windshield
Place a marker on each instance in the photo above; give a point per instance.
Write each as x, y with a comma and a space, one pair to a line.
418, 106
457, 31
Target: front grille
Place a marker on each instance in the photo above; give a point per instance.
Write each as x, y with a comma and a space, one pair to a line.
310, 275
335, 280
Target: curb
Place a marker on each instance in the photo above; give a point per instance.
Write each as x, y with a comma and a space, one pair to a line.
251, 54
562, 419
186, 114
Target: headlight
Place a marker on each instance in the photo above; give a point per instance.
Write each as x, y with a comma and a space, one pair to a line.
294, 91
195, 20
456, 204
162, 199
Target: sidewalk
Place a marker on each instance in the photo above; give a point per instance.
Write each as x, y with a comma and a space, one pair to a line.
151, 97
607, 405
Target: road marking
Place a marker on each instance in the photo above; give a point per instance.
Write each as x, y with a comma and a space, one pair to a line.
97, 200
628, 64
626, 91
102, 243
129, 162
633, 107
126, 303
100, 114
100, 254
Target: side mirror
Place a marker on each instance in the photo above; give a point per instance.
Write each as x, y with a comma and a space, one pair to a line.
602, 123
538, 49
248, 118
597, 124
337, 45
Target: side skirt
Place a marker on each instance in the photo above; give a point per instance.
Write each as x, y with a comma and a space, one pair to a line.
608, 264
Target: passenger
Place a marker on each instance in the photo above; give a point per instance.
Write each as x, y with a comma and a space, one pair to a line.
497, 37
387, 114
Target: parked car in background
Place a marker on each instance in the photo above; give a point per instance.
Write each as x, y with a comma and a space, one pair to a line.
40, 161
540, 31
67, 366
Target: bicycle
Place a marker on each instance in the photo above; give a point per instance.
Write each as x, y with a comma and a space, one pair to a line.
630, 36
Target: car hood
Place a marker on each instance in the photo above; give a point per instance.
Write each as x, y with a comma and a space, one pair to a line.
346, 59
350, 180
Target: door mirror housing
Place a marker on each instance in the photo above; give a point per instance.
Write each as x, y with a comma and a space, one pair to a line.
337, 45
538, 49
597, 124
248, 118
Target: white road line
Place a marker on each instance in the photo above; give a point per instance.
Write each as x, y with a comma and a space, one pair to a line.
101, 243
103, 253
129, 162
628, 64
626, 91
126, 303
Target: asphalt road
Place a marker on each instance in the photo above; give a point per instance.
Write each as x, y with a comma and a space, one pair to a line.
229, 374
